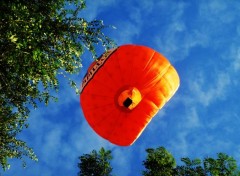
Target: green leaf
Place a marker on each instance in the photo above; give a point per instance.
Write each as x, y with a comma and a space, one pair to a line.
39, 41
13, 38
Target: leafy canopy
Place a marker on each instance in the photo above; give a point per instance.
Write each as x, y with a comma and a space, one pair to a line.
160, 162
95, 163
39, 40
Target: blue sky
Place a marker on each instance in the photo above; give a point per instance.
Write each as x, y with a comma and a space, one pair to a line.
202, 40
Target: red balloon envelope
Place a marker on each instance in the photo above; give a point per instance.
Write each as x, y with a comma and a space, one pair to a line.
124, 89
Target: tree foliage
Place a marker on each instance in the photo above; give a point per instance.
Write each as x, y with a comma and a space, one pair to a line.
39, 40
224, 165
95, 163
160, 162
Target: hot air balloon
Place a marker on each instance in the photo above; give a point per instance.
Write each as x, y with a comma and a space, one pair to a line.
124, 89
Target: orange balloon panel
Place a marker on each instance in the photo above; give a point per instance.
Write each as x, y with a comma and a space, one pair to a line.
124, 89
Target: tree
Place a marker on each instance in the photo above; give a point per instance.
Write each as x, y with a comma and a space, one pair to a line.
190, 167
224, 165
159, 162
95, 163
39, 40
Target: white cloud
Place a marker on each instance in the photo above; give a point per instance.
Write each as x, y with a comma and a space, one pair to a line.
238, 30
179, 144
59, 133
94, 8
236, 154
205, 91
192, 119
126, 32
137, 10
217, 12
176, 40
121, 162
235, 57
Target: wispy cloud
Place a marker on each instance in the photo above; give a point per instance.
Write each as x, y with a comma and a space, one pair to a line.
234, 56
218, 12
121, 160
202, 40
206, 92
176, 39
94, 8
127, 34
